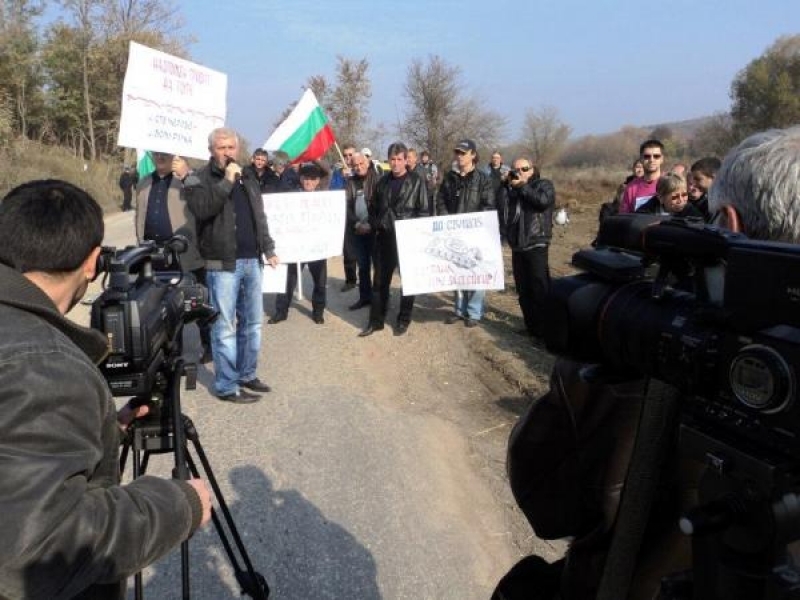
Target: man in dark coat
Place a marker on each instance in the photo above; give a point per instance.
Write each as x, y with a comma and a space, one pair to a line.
464, 191
527, 203
127, 181
70, 530
234, 242
398, 195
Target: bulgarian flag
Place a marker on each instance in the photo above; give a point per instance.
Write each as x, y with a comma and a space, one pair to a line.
305, 134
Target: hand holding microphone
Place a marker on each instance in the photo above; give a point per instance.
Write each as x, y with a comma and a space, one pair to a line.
233, 172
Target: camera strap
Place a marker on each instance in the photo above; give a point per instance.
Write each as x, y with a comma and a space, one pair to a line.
654, 438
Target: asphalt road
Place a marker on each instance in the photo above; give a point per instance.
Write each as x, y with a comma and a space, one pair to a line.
364, 474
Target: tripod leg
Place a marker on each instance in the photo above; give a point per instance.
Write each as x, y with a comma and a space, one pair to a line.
138, 471
252, 582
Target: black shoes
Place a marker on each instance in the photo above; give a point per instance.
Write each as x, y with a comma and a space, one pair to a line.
348, 285
401, 329
359, 304
452, 319
370, 330
240, 397
319, 319
276, 319
256, 385
470, 322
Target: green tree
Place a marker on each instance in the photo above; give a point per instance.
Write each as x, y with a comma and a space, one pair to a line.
20, 78
766, 93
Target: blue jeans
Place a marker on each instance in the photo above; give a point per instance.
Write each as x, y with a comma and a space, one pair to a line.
236, 334
469, 304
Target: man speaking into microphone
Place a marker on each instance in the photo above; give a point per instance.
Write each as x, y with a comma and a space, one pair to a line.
234, 242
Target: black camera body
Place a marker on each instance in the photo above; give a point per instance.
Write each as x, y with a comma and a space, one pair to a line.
142, 311
719, 320
512, 174
717, 317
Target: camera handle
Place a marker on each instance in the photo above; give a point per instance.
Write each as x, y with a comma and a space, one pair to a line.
746, 515
148, 439
654, 436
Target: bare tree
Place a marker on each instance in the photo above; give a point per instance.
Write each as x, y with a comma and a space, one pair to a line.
348, 104
441, 111
544, 135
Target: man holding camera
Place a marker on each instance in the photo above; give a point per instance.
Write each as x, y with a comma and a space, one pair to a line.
70, 530
526, 205
234, 241
570, 453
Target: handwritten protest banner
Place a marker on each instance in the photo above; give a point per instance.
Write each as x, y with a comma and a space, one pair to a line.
170, 104
306, 225
455, 252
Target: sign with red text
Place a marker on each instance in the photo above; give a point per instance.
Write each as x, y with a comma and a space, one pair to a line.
306, 225
453, 252
170, 104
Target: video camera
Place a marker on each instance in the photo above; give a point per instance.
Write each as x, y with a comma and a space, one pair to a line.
717, 317
147, 299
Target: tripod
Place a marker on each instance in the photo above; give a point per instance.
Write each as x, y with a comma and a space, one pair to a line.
168, 431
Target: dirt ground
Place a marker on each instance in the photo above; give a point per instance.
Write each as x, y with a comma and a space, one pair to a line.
523, 362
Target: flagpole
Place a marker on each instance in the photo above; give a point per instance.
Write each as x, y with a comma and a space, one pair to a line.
339, 150
300, 281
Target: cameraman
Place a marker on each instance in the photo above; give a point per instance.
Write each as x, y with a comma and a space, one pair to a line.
70, 530
568, 454
525, 205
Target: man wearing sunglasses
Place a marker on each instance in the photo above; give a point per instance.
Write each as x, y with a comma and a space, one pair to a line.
641, 189
526, 207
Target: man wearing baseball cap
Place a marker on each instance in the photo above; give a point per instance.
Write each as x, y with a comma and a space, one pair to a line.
466, 190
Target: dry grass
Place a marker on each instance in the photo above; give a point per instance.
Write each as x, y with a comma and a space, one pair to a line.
27, 160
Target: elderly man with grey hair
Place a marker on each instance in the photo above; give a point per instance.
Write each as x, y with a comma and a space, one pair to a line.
234, 242
757, 188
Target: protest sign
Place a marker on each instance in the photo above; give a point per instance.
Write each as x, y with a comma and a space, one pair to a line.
306, 225
170, 104
274, 280
454, 252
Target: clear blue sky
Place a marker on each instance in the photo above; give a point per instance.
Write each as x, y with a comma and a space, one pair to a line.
602, 64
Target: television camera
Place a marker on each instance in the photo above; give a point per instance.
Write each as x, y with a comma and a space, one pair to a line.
146, 302
716, 317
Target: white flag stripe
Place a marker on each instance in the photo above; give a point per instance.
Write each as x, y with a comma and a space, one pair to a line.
308, 104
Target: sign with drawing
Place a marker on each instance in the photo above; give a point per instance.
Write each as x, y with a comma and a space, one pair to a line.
454, 252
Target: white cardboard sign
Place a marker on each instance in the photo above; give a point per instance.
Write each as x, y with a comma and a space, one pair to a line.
453, 252
170, 104
306, 225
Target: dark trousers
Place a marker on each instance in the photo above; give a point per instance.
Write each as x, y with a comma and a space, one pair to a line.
384, 258
349, 255
532, 278
319, 273
127, 199
363, 245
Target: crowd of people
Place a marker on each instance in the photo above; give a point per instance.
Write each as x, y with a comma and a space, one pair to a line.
71, 529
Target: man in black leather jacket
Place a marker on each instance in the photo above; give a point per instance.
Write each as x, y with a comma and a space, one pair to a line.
234, 242
526, 203
398, 195
70, 530
464, 191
